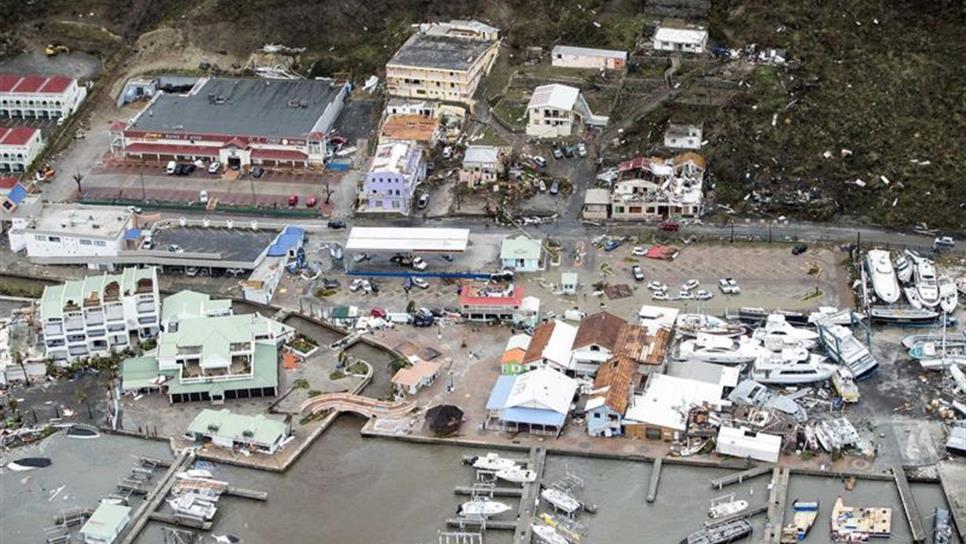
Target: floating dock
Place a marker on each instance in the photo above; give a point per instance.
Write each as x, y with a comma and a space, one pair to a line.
493, 491
154, 497
739, 477
909, 504
655, 479
523, 532
776, 505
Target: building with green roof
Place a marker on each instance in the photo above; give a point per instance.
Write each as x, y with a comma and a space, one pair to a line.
106, 523
99, 314
522, 254
225, 429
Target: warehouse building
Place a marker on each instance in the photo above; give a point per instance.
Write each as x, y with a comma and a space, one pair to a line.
566, 56
39, 97
19, 147
238, 122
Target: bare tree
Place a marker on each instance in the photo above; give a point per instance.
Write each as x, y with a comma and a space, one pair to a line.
78, 177
328, 189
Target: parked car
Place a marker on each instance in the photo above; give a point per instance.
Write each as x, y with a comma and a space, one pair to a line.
569, 151
335, 250
336, 224
660, 295
175, 248
421, 283
735, 288
378, 312
373, 285
684, 295
944, 241
422, 201
798, 249
503, 275
639, 251
331, 283
582, 149
359, 257
447, 257
655, 285
258, 172
423, 319
555, 187
611, 245
214, 167
148, 243
293, 201
419, 263
171, 168
203, 197
401, 260
637, 272
690, 285
191, 271
357, 284
703, 294
724, 286
540, 161
669, 225
557, 153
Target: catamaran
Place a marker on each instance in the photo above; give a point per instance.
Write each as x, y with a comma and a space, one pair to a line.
710, 348
884, 281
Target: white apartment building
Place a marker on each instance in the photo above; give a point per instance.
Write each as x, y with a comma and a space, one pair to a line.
69, 233
19, 147
39, 97
99, 314
556, 111
443, 61
481, 165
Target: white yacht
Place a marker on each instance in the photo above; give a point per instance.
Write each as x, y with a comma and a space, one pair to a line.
726, 506
912, 295
560, 500
492, 461
193, 506
926, 284
884, 281
776, 327
831, 314
844, 347
483, 507
547, 534
694, 324
791, 366
724, 350
517, 475
903, 268
948, 298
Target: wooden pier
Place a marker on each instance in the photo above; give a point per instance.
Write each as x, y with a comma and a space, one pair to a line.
909, 504
154, 497
494, 491
247, 493
776, 505
739, 477
655, 479
498, 524
530, 499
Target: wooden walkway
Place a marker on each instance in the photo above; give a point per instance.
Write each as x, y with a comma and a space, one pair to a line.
739, 477
776, 505
154, 497
523, 532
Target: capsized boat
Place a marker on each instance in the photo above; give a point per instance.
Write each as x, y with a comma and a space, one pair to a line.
547, 534
720, 533
517, 475
482, 507
492, 461
560, 500
850, 522
711, 348
777, 327
903, 268
791, 366
28, 463
927, 285
948, 297
725, 506
804, 515
694, 324
942, 527
884, 282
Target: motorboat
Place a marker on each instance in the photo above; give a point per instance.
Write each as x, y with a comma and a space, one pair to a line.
194, 473
725, 350
948, 297
791, 366
720, 533
776, 326
903, 268
912, 295
482, 507
192, 506
492, 461
831, 314
934, 355
911, 315
844, 383
804, 514
82, 432
694, 324
726, 506
28, 463
884, 282
560, 500
942, 527
927, 285
517, 475
547, 534
757, 316
843, 347
851, 522
914, 340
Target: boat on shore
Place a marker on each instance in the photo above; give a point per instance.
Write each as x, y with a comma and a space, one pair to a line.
82, 432
724, 350
492, 461
28, 463
758, 316
830, 314
482, 507
694, 324
803, 518
560, 500
776, 327
903, 268
547, 534
720, 533
903, 315
790, 367
927, 286
843, 347
948, 297
884, 281
913, 340
852, 522
942, 527
844, 383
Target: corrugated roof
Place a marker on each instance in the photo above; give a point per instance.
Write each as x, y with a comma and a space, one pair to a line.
618, 376
602, 329
694, 36
541, 335
554, 95
18, 136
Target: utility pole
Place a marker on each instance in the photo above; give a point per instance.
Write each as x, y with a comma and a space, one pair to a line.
144, 196
732, 231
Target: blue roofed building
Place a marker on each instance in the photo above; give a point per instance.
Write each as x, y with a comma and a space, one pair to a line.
260, 286
536, 402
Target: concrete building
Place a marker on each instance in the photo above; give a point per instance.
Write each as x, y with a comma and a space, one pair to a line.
481, 165
556, 111
661, 412
409, 380
567, 56
39, 97
522, 254
536, 402
443, 61
75, 232
18, 148
210, 357
490, 303
394, 172
239, 122
106, 523
678, 36
677, 136
614, 387
652, 188
405, 128
596, 204
569, 282
99, 314
261, 284
740, 442
227, 430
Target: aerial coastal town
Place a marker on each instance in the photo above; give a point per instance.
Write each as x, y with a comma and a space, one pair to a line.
463, 280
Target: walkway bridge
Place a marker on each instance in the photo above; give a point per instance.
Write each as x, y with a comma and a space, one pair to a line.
364, 406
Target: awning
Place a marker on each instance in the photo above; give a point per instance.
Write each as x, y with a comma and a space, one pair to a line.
279, 155
171, 149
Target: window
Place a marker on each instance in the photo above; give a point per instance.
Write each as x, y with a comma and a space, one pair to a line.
40, 238
100, 243
55, 239
85, 242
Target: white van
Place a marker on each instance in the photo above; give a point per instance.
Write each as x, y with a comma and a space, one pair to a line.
172, 166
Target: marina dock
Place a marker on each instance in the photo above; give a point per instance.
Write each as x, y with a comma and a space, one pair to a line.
776, 505
909, 504
954, 488
495, 491
655, 479
530, 499
154, 497
739, 477
180, 521
483, 523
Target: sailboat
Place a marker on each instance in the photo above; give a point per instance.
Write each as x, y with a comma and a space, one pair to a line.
805, 514
903, 268
937, 357
884, 281
948, 297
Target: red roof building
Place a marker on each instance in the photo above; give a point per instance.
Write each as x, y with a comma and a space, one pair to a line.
19, 147
486, 302
40, 97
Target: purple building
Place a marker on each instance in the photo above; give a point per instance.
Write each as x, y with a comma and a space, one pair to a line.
393, 174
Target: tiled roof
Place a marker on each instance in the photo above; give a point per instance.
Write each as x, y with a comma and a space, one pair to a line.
541, 336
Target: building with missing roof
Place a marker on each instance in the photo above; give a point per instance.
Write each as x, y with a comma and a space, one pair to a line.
443, 61
236, 121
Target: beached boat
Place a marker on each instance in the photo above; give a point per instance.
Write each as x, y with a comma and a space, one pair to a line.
912, 295
492, 461
903, 268
844, 383
483, 507
834, 316
954, 339
710, 348
720, 533
560, 500
758, 316
791, 366
904, 315
927, 286
82, 432
694, 324
547, 534
725, 506
28, 463
942, 527
884, 281
517, 475
850, 522
804, 515
843, 347
193, 506
948, 298
776, 327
